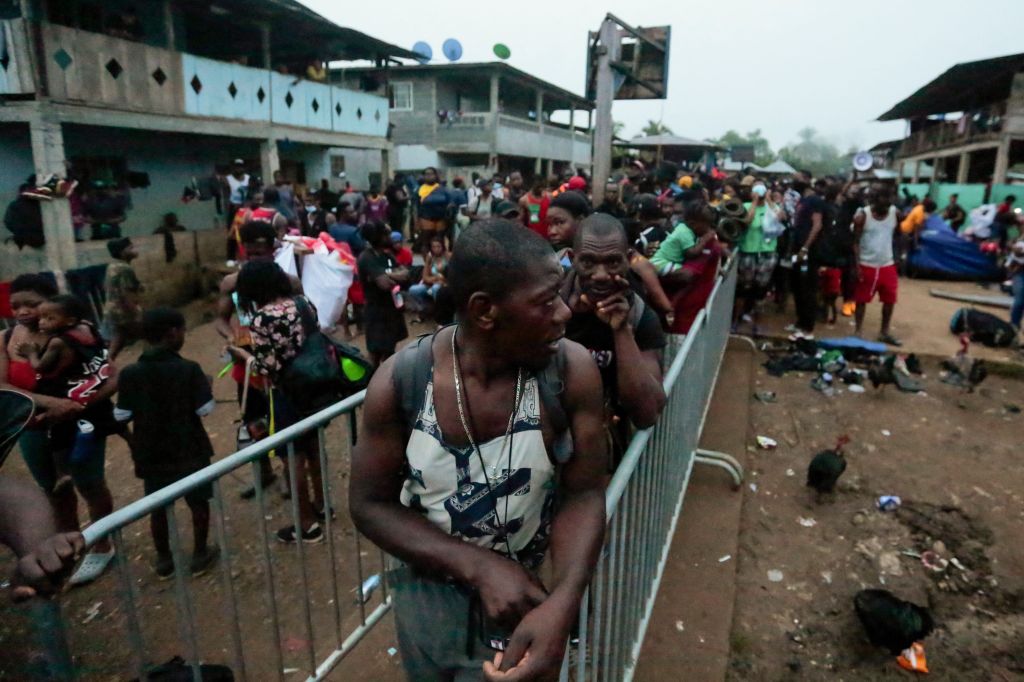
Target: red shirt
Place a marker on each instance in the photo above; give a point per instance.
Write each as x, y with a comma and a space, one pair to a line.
404, 256
694, 294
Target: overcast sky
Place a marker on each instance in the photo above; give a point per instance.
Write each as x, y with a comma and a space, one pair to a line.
742, 64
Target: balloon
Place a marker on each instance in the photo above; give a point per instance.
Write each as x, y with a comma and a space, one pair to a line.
452, 49
501, 51
423, 49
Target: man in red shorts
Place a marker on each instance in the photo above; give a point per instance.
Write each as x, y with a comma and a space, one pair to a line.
873, 230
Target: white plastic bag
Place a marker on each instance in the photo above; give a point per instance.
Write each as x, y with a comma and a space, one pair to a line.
772, 227
285, 258
326, 281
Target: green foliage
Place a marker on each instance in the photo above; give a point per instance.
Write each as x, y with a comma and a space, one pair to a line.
763, 154
656, 128
815, 153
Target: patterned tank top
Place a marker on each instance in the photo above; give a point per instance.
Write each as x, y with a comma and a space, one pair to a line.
447, 484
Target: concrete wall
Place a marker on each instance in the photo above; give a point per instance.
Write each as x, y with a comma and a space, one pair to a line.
414, 157
170, 160
190, 275
15, 164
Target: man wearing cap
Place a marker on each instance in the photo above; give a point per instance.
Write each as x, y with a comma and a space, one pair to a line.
122, 313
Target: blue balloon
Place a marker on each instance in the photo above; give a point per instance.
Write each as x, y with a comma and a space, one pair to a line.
452, 49
422, 49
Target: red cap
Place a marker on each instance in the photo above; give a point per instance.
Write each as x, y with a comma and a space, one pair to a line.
576, 182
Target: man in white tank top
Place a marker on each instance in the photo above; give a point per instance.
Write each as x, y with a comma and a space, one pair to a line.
462, 489
873, 228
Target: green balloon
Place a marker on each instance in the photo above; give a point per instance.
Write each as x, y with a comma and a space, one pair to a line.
501, 51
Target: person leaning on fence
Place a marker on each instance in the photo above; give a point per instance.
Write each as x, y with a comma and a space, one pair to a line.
446, 480
612, 321
165, 397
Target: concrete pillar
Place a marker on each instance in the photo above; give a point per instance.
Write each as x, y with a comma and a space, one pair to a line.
270, 160
385, 168
917, 172
538, 166
265, 45
47, 139
1002, 161
495, 94
550, 170
539, 106
572, 120
168, 7
937, 169
964, 168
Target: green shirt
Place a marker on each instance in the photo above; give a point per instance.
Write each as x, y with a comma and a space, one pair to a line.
753, 240
673, 249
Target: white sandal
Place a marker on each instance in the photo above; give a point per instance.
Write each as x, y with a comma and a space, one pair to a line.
91, 568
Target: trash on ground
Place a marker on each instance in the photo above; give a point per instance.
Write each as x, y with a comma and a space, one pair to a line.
775, 576
753, 487
933, 562
92, 613
827, 577
766, 396
290, 671
790, 472
366, 589
889, 563
856, 388
725, 558
889, 503
766, 443
1011, 408
913, 658
392, 651
680, 626
956, 562
891, 622
806, 523
886, 432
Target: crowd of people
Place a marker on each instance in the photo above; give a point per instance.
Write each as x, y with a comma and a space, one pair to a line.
486, 444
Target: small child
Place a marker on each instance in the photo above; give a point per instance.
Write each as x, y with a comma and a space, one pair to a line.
681, 245
830, 281
122, 312
166, 396
73, 365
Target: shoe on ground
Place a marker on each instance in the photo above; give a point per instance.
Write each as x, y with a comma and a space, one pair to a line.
164, 567
91, 568
204, 561
314, 535
889, 339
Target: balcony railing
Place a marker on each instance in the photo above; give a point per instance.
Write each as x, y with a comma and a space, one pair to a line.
96, 69
949, 134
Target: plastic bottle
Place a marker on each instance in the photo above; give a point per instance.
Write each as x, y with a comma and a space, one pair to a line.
84, 441
396, 296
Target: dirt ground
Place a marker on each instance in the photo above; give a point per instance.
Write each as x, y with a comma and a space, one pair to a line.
954, 459
97, 619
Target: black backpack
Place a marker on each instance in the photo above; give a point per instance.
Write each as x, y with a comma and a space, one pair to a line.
834, 244
414, 368
325, 371
984, 328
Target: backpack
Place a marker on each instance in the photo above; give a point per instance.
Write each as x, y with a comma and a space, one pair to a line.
325, 371
984, 328
414, 368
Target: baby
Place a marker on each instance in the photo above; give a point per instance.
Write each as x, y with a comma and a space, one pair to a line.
72, 365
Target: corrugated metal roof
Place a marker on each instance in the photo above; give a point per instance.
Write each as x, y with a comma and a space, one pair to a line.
652, 141
963, 87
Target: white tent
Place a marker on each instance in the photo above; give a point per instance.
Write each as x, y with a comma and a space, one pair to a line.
778, 167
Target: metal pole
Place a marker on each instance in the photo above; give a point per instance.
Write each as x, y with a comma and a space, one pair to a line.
607, 51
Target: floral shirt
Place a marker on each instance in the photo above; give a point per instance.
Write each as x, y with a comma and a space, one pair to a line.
122, 288
277, 335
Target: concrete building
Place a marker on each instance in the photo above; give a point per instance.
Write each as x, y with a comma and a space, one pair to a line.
148, 95
478, 117
967, 125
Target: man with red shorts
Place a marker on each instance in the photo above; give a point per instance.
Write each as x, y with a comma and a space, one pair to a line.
873, 230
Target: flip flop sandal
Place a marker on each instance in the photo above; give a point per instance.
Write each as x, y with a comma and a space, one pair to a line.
92, 567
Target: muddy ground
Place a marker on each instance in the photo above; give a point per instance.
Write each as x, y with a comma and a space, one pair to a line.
955, 459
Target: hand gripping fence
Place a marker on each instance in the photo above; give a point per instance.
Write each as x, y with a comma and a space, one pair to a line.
268, 610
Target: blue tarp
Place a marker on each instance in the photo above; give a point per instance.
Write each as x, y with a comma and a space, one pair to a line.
941, 253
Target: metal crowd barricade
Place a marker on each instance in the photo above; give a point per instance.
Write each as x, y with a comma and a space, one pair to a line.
643, 503
645, 498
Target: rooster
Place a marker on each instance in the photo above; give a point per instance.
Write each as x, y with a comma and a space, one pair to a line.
893, 369
963, 370
826, 467
891, 622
